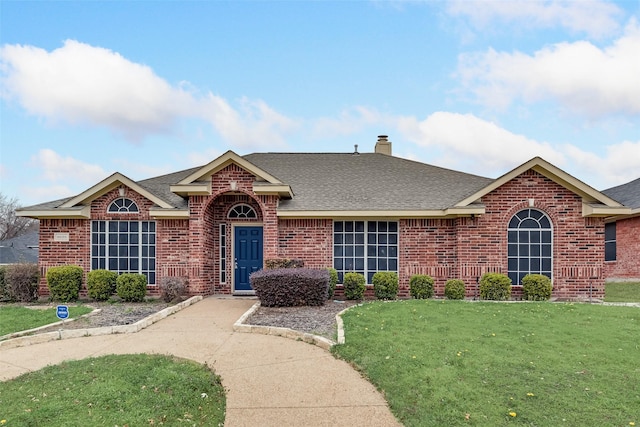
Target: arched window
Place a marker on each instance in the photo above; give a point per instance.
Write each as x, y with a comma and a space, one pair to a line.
242, 211
123, 205
529, 247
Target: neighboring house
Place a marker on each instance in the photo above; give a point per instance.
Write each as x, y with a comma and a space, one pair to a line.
23, 248
363, 212
622, 235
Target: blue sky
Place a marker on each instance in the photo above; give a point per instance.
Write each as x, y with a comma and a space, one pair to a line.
151, 87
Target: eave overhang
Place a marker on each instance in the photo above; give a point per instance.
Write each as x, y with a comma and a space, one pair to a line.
264, 188
592, 210
203, 189
77, 212
454, 212
169, 213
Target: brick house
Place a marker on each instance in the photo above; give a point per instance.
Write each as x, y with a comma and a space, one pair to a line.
362, 212
622, 235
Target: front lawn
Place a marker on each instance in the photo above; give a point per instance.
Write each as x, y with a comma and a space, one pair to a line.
460, 363
622, 292
122, 390
17, 318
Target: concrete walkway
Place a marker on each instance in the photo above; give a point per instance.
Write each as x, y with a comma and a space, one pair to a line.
270, 380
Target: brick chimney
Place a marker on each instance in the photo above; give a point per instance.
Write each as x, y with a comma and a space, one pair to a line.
383, 145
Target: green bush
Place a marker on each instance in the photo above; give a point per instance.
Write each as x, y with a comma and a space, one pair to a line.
4, 290
274, 263
21, 282
385, 285
354, 286
291, 287
495, 286
131, 287
101, 284
421, 286
172, 288
333, 280
64, 282
536, 287
454, 289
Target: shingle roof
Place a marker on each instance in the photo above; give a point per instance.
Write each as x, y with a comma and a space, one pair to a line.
159, 186
366, 181
628, 194
23, 248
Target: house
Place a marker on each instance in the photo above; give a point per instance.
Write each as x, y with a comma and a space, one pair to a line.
23, 248
363, 212
622, 235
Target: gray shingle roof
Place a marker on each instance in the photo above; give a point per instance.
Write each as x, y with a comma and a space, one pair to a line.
22, 248
628, 194
367, 181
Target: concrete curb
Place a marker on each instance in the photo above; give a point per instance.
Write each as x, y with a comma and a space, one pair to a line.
105, 330
316, 340
39, 328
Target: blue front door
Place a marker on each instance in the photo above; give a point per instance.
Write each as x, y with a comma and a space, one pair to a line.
248, 256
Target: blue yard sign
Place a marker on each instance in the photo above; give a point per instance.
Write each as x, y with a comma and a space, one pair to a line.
62, 311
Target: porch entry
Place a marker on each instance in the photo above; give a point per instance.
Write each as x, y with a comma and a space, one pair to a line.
247, 255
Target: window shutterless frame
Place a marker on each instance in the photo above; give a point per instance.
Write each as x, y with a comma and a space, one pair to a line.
529, 245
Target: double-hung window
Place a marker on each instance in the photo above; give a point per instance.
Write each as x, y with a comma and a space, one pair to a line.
365, 247
610, 241
124, 247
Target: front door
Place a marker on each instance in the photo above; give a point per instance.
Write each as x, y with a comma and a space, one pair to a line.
248, 255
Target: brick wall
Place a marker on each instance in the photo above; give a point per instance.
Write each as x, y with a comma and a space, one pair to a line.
626, 266
308, 239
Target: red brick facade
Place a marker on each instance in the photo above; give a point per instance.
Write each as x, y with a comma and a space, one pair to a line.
626, 265
464, 247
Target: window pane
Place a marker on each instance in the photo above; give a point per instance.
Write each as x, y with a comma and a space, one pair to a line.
393, 251
338, 251
393, 227
382, 265
359, 226
382, 227
338, 226
359, 251
512, 250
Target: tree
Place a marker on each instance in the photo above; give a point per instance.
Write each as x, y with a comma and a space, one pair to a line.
12, 225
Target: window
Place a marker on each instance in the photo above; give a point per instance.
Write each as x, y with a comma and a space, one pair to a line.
124, 247
529, 247
223, 253
365, 247
242, 211
610, 241
123, 205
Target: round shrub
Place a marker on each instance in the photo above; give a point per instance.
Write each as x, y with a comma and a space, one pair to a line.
172, 288
101, 284
495, 286
454, 289
333, 280
21, 282
131, 287
64, 282
385, 285
354, 286
421, 286
536, 287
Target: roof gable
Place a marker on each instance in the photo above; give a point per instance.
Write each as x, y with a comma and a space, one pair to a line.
599, 203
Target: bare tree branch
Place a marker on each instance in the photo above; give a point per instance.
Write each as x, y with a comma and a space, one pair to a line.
12, 225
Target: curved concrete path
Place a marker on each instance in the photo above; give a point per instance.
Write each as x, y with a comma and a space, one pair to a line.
270, 380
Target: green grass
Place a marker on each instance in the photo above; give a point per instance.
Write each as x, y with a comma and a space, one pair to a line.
123, 390
16, 318
622, 292
454, 363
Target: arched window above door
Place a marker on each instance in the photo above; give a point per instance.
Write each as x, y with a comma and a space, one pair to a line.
529, 245
242, 211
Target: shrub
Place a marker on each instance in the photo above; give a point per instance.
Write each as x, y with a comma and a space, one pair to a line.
385, 285
4, 290
172, 288
283, 263
289, 287
495, 286
21, 281
64, 282
131, 287
454, 289
333, 280
354, 286
536, 287
421, 286
101, 284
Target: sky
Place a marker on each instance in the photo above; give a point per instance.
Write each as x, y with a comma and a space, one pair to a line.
144, 88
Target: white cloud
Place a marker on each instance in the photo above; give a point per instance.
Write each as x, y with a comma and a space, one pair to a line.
466, 142
31, 195
56, 168
201, 158
86, 85
483, 146
594, 18
580, 76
